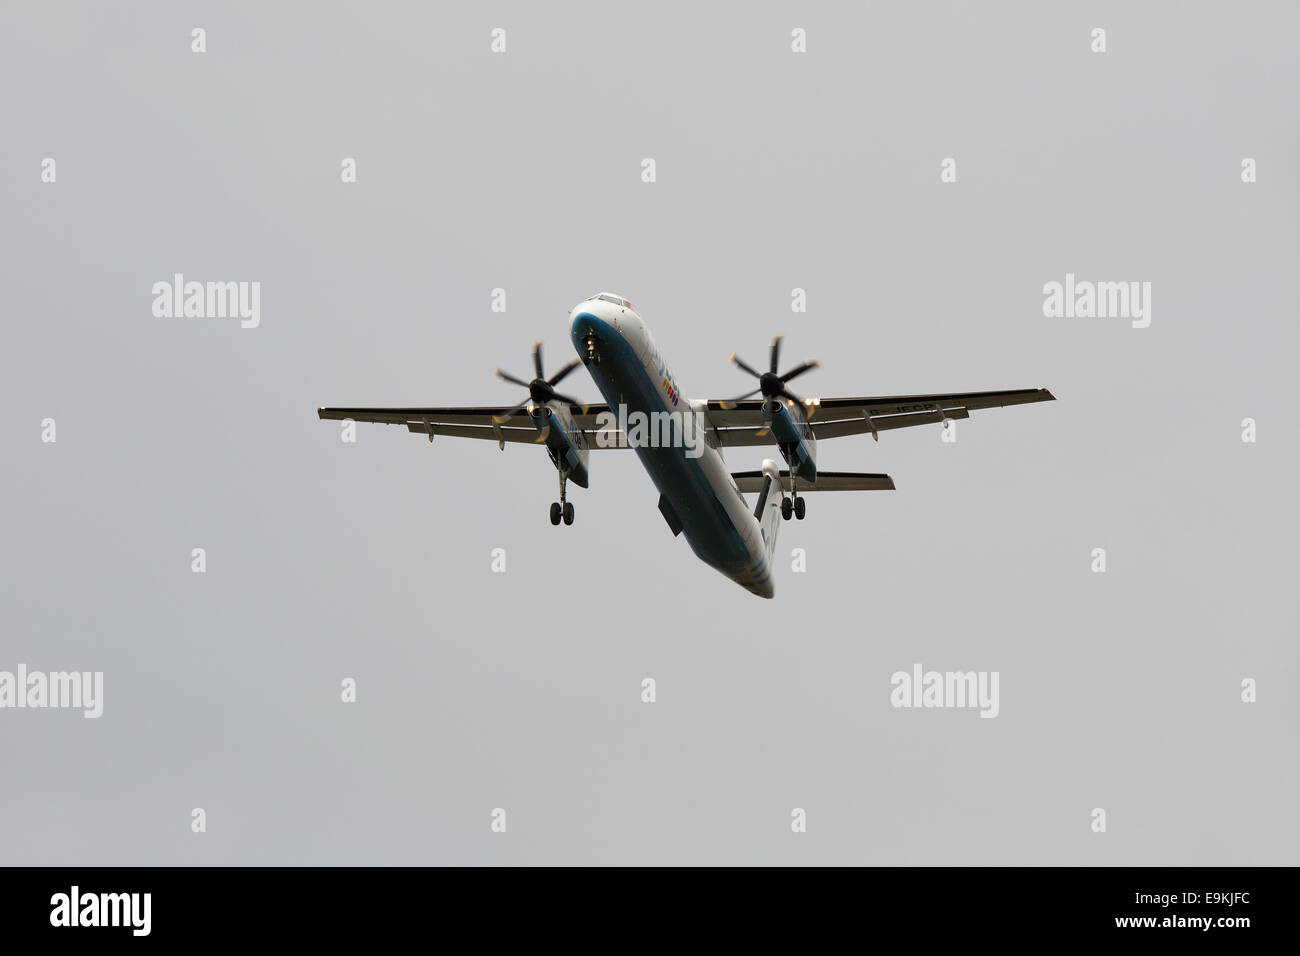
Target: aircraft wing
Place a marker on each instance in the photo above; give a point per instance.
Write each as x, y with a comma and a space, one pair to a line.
499, 424
741, 423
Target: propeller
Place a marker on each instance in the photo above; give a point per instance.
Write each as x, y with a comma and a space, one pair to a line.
770, 384
541, 389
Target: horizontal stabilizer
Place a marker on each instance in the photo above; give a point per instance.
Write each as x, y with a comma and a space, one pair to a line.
750, 481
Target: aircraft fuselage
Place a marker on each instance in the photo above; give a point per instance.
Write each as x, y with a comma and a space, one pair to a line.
695, 485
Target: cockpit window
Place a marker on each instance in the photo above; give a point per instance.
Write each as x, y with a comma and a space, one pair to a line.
606, 297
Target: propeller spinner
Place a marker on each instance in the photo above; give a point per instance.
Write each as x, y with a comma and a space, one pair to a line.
541, 389
770, 384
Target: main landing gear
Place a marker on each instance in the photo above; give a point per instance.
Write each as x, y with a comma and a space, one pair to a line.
562, 509
793, 505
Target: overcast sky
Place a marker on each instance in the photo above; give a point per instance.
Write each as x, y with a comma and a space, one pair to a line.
774, 170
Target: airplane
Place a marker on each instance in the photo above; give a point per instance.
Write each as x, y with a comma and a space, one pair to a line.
682, 447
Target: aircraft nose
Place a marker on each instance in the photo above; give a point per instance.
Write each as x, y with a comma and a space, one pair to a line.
582, 326
590, 325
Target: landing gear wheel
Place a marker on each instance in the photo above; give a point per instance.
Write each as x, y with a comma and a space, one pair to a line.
799, 508
786, 508
562, 508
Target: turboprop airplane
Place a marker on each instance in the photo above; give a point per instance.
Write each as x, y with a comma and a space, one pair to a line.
680, 441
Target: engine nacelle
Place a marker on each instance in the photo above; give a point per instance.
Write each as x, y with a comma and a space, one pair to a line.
793, 436
564, 440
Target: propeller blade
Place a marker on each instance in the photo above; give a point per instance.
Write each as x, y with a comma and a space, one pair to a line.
558, 376
544, 434
566, 399
537, 358
740, 398
800, 369
741, 365
506, 416
793, 397
776, 351
507, 377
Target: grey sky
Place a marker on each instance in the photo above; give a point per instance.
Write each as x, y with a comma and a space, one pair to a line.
521, 171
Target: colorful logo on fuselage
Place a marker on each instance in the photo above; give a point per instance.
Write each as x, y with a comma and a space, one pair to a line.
672, 392
669, 386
